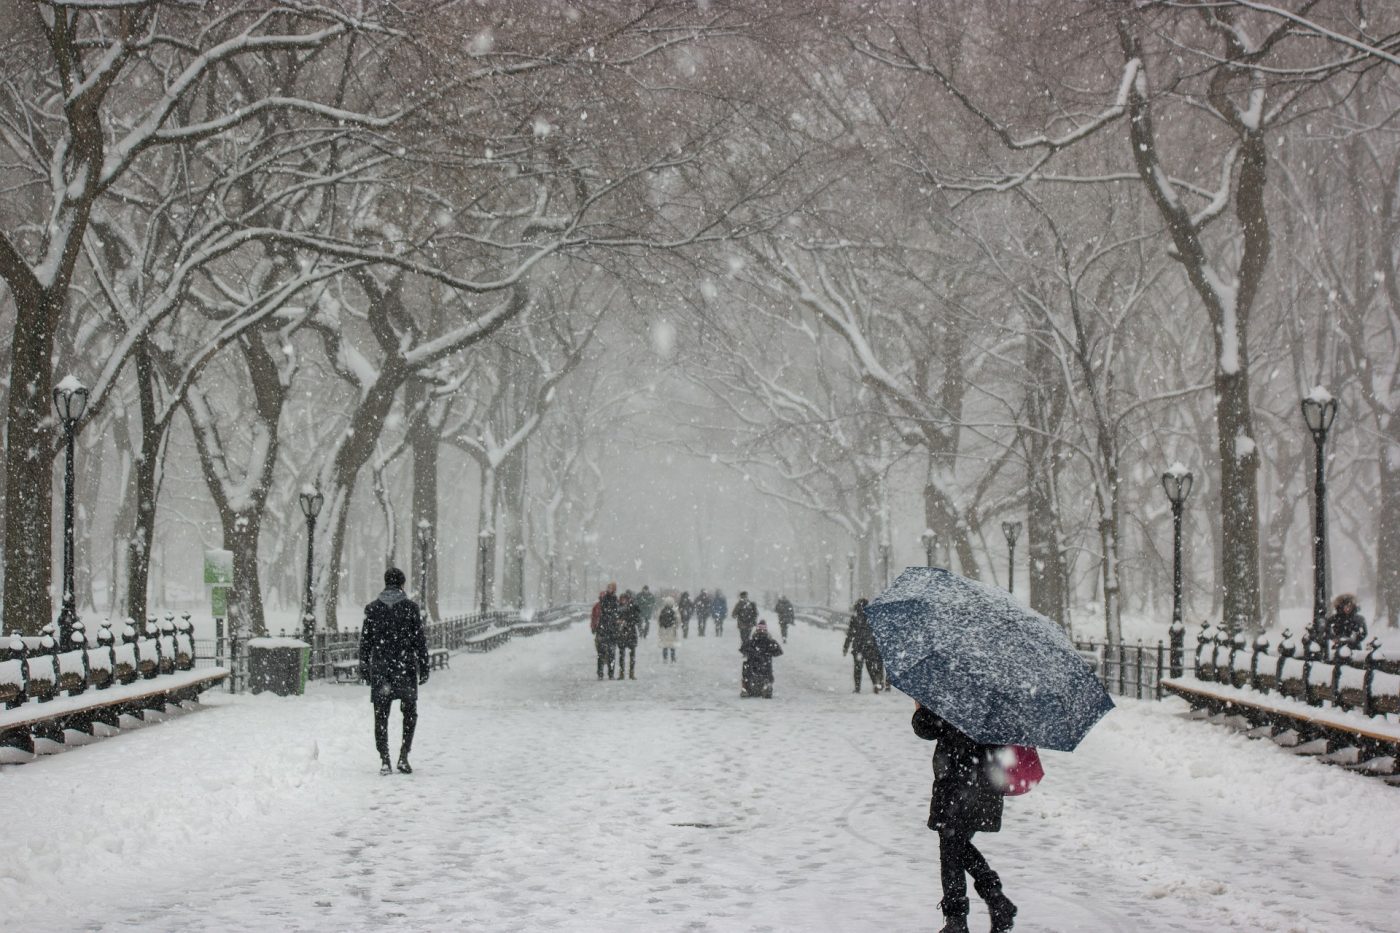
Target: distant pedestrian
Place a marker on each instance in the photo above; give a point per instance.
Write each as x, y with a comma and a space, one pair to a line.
719, 608
394, 661
605, 638
646, 604
786, 615
860, 643
629, 624
965, 801
756, 675
702, 612
745, 615
668, 627
1346, 626
686, 608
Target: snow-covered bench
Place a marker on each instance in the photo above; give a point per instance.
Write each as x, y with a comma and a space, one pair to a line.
47, 691
1344, 710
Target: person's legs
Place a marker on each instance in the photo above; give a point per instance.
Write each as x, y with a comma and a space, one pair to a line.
631, 663
988, 887
381, 725
598, 650
872, 666
409, 710
856, 669
953, 854
608, 657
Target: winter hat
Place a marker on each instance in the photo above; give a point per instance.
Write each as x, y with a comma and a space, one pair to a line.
762, 626
743, 594
1342, 600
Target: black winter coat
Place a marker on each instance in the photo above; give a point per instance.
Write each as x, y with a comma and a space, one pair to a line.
393, 646
860, 638
686, 607
1346, 629
786, 612
629, 622
759, 652
746, 613
964, 800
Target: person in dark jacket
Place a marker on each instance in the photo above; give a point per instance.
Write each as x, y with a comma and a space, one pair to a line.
860, 643
702, 612
685, 607
746, 615
668, 629
646, 602
1346, 626
787, 614
394, 661
605, 639
629, 624
756, 676
719, 608
965, 801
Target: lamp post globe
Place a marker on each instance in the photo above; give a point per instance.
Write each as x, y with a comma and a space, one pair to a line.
1319, 411
70, 398
311, 501
1012, 531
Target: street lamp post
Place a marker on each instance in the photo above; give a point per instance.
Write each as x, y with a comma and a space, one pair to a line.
425, 540
311, 501
1012, 530
830, 583
1319, 410
929, 540
1177, 483
851, 567
70, 397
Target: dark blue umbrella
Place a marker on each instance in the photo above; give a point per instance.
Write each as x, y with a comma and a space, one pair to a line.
995, 670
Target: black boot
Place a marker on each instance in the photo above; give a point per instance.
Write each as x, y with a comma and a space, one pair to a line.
403, 764
384, 766
999, 906
954, 914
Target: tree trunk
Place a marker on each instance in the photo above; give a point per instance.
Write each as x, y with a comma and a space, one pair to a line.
145, 489
512, 474
1388, 526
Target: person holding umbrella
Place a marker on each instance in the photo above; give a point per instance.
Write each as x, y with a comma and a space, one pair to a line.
986, 672
965, 801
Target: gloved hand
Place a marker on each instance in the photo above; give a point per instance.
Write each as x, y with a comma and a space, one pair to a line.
422, 678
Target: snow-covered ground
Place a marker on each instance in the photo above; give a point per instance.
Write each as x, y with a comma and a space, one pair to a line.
545, 800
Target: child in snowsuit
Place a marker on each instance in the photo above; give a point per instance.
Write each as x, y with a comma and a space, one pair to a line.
757, 673
668, 629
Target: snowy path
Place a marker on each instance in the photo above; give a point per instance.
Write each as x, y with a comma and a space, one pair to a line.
545, 800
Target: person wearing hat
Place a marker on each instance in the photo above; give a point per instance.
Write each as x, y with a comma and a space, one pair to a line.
1346, 626
394, 661
758, 650
746, 615
668, 628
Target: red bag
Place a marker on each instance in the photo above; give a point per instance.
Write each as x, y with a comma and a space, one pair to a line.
1016, 770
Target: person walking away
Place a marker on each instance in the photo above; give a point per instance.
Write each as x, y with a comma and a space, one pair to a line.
668, 627
1346, 627
394, 661
629, 623
786, 615
860, 643
702, 612
745, 615
719, 608
646, 602
685, 607
756, 675
606, 641
965, 801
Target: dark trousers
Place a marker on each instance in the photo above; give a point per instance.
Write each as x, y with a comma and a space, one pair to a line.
605, 659
719, 627
960, 858
700, 623
873, 665
664, 652
409, 709
626, 661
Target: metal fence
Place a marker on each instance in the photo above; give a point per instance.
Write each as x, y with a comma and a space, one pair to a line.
480, 631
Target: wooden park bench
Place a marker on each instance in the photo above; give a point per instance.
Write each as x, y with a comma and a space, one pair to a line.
48, 692
348, 672
1340, 709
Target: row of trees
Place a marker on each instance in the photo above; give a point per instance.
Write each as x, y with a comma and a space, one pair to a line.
989, 259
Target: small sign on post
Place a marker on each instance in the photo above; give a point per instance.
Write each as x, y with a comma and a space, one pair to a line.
218, 567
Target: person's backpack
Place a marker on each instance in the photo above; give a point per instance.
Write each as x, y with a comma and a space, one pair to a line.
1016, 770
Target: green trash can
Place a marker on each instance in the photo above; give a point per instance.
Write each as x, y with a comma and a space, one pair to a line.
278, 665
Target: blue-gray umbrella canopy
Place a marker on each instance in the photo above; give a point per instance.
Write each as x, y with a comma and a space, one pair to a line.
997, 671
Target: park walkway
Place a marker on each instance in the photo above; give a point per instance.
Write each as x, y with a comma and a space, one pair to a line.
545, 800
